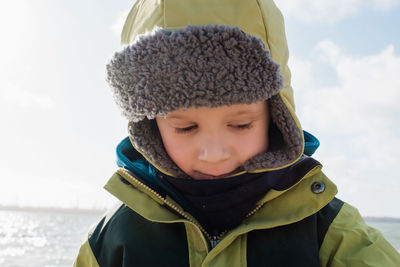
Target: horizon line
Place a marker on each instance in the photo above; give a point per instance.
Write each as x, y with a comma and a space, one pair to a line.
102, 210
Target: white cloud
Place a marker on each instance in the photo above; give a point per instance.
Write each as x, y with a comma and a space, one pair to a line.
330, 11
329, 51
303, 74
384, 4
357, 121
368, 87
119, 22
13, 95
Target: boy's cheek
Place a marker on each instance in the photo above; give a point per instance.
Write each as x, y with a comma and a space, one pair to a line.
179, 153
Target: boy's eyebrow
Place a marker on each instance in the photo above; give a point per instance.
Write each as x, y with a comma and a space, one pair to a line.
245, 112
236, 113
175, 117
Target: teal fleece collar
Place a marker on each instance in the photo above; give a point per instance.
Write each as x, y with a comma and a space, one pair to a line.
311, 143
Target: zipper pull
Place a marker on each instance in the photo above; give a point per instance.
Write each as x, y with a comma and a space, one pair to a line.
214, 241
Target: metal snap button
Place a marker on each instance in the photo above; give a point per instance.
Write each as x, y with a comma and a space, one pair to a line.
318, 187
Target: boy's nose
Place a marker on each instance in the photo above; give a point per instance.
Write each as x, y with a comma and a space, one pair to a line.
213, 152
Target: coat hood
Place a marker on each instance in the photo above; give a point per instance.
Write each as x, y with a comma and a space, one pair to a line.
170, 22
260, 18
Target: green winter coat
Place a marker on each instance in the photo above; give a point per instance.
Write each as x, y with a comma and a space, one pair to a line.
302, 225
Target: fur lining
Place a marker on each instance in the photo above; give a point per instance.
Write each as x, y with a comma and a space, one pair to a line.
148, 139
293, 144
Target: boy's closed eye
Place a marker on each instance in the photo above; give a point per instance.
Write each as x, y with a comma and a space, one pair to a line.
185, 129
240, 126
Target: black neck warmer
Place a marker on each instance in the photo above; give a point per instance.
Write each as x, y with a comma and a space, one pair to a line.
221, 205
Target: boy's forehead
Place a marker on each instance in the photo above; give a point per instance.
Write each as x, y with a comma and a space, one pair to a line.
233, 110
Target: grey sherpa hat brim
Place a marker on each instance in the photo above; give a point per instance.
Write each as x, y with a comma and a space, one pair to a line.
198, 66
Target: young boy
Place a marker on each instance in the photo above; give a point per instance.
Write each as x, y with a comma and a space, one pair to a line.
217, 170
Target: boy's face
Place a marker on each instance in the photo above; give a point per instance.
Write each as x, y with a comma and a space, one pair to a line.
212, 143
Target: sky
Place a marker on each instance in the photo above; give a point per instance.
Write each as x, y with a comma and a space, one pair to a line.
60, 126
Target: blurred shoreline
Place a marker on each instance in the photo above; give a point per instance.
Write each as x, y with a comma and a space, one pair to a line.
52, 209
100, 211
381, 219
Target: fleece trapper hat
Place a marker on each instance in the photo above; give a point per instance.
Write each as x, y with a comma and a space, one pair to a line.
198, 66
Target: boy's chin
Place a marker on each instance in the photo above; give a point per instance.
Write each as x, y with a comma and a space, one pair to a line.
197, 175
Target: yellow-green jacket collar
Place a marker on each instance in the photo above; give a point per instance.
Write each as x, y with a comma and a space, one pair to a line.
275, 209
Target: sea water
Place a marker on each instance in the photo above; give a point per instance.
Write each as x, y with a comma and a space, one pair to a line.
42, 239
45, 239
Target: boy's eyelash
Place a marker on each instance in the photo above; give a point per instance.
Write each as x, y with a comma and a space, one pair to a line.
243, 126
193, 127
186, 129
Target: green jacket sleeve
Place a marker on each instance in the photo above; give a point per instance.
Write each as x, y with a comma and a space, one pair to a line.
85, 256
351, 242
